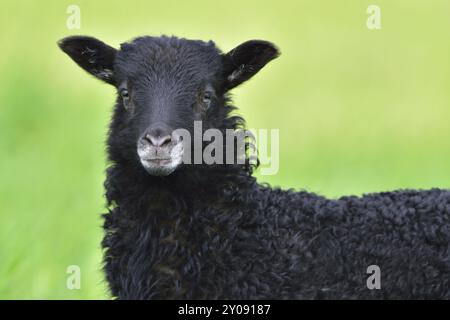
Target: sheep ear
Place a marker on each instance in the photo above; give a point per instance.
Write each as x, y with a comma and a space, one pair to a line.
244, 61
92, 55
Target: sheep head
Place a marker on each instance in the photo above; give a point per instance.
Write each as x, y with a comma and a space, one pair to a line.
164, 86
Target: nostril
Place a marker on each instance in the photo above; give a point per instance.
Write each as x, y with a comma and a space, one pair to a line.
157, 141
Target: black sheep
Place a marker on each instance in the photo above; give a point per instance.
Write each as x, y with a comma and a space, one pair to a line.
190, 231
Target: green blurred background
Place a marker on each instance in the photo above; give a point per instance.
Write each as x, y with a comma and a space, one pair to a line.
358, 110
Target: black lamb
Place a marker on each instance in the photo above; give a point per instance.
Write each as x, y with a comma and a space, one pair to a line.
176, 230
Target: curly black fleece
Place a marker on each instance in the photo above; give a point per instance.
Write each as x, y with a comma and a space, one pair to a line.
253, 242
213, 232
206, 235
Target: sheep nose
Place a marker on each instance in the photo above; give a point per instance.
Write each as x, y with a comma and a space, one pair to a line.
157, 141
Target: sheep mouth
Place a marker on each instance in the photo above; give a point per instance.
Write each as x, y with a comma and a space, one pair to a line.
159, 161
160, 167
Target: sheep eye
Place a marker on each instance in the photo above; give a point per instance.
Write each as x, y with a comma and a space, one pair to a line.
124, 94
207, 97
125, 98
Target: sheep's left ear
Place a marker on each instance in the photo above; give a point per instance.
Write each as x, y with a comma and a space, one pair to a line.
92, 55
244, 61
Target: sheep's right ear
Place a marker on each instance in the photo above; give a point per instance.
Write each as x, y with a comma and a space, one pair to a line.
92, 55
